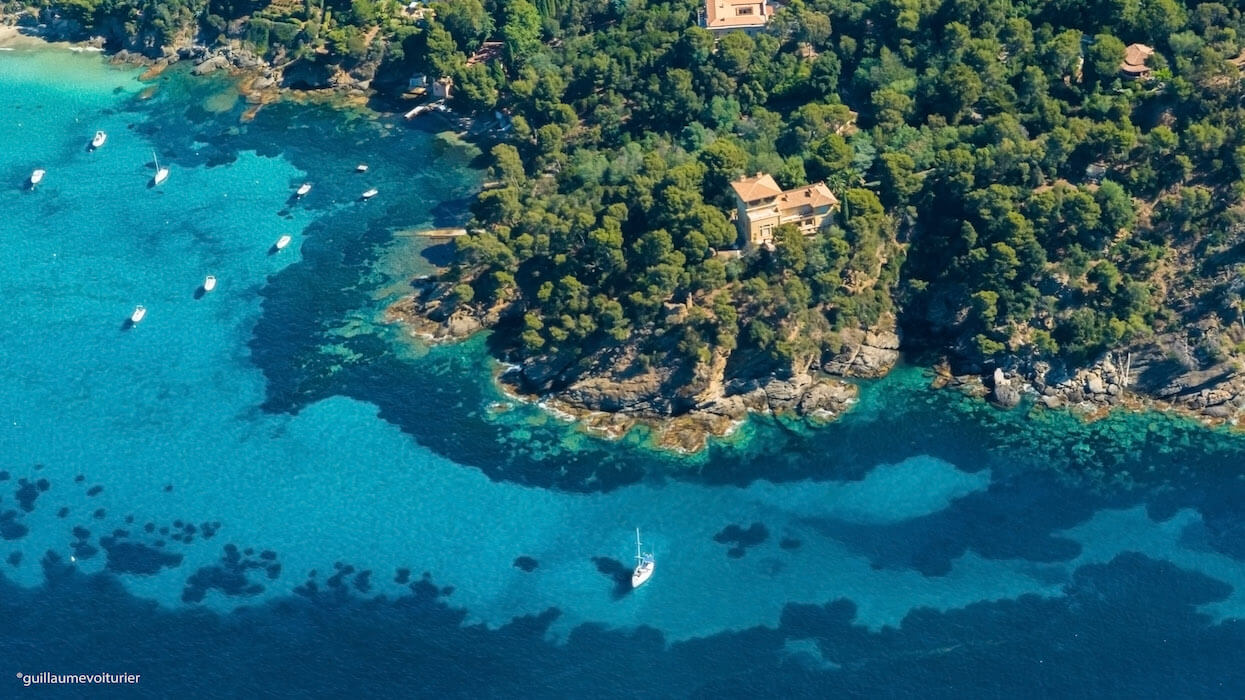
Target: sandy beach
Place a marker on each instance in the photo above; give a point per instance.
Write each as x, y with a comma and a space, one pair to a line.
12, 37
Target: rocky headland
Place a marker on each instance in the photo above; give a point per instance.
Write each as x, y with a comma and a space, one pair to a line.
616, 387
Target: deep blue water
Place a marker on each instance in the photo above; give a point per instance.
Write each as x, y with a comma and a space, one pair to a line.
266, 490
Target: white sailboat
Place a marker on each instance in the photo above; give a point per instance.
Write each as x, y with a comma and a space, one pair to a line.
162, 174
140, 312
100, 138
209, 283
36, 177
304, 189
370, 193
645, 563
282, 242
361, 168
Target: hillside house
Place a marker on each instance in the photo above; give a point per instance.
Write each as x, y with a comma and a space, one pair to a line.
732, 15
762, 206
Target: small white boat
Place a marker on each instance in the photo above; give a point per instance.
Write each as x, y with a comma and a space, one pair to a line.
140, 311
282, 242
644, 565
100, 138
304, 189
361, 168
370, 193
37, 176
162, 174
209, 283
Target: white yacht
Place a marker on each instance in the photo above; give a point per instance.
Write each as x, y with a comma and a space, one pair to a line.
140, 311
361, 168
36, 177
162, 174
370, 193
209, 283
100, 138
644, 564
282, 242
304, 189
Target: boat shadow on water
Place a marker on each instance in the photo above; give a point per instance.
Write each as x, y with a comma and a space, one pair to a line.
199, 292
126, 325
617, 572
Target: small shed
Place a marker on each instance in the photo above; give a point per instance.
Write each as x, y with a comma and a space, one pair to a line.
443, 89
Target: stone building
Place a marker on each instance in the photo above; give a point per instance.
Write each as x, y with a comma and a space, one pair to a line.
761, 206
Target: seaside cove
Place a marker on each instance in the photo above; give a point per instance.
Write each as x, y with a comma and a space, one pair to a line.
272, 476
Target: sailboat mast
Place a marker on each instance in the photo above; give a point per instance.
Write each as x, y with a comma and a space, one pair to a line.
638, 555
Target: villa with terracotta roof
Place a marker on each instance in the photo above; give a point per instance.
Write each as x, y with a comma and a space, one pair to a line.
727, 15
1135, 57
762, 206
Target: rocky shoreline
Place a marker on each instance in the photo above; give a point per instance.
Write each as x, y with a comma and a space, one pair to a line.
612, 398
1148, 377
262, 75
620, 392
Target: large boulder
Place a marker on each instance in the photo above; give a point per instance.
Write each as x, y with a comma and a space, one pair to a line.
826, 397
1003, 393
211, 64
1094, 384
865, 354
611, 394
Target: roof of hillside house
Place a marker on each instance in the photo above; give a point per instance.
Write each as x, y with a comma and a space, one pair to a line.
1135, 57
814, 195
735, 14
760, 186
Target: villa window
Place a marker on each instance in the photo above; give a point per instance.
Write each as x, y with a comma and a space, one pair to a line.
743, 10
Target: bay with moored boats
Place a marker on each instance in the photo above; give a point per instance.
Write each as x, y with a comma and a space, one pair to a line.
269, 489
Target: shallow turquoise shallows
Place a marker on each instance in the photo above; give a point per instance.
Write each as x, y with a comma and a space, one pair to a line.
273, 439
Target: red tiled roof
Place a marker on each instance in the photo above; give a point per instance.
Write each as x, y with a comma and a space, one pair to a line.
761, 186
815, 195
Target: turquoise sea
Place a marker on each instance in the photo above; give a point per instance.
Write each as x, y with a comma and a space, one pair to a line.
265, 490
